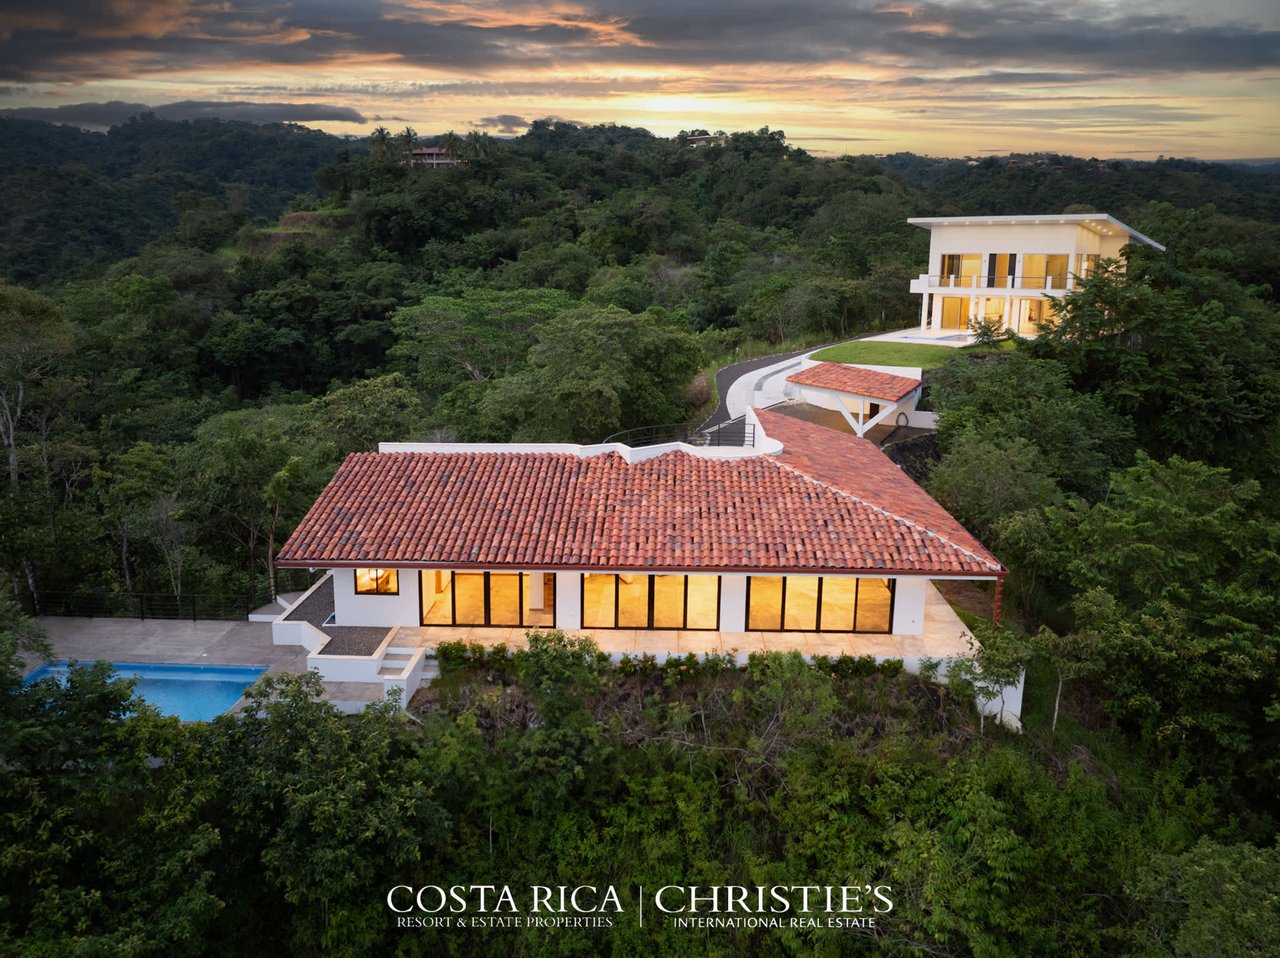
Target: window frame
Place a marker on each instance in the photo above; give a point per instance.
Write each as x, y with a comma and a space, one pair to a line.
857, 596
650, 627
376, 573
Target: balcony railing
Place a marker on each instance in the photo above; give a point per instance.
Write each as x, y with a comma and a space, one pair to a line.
948, 281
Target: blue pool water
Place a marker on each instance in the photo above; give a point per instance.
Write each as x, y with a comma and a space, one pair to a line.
194, 693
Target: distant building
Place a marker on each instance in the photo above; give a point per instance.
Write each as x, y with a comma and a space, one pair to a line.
430, 158
711, 139
1007, 269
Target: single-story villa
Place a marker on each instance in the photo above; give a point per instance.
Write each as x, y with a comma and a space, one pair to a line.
808, 539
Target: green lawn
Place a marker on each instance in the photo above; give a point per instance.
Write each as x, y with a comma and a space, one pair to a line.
887, 354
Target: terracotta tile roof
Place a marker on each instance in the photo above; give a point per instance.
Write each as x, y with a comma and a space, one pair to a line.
677, 511
858, 468
855, 381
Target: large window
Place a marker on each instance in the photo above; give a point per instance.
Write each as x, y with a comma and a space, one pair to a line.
955, 312
797, 603
377, 582
1033, 315
1000, 266
643, 601
1086, 264
484, 598
961, 269
1044, 271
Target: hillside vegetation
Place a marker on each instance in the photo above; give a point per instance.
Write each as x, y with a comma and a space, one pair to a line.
173, 395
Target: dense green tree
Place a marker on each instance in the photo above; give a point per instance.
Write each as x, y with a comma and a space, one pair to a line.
446, 340
1196, 379
592, 372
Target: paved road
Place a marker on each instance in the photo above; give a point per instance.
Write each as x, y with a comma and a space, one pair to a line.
728, 375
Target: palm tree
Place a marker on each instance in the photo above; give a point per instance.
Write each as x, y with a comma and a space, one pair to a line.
407, 138
380, 143
478, 145
452, 145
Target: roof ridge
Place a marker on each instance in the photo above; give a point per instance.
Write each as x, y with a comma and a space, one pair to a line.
892, 515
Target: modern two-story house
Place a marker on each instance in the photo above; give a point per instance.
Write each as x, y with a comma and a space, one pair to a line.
1007, 269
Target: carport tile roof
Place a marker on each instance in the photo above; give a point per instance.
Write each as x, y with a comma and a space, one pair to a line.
856, 381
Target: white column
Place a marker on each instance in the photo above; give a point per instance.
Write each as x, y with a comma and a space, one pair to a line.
537, 590
568, 601
908, 605
1008, 304
924, 310
733, 603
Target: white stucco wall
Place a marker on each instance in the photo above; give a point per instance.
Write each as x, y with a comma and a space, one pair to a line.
733, 603
388, 610
908, 605
568, 601
1004, 238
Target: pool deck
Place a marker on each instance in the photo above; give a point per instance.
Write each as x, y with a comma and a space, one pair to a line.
170, 640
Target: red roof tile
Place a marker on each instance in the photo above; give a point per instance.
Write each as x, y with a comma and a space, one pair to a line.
855, 381
677, 511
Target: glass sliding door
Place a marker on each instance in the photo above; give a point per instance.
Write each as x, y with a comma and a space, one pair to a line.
999, 268
468, 598
839, 599
669, 601
702, 602
764, 603
633, 602
875, 605
644, 601
955, 312
800, 613
505, 598
599, 601
479, 598
819, 604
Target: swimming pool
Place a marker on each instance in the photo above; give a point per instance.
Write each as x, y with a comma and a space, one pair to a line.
194, 693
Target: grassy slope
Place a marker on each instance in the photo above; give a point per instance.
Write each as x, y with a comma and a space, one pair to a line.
887, 354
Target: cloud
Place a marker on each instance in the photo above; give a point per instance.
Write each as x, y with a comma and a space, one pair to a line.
86, 39
504, 123
101, 116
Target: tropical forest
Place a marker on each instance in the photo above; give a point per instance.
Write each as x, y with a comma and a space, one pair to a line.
199, 320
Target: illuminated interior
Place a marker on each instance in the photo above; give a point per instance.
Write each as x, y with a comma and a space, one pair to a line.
640, 601
999, 268
651, 601
955, 312
961, 269
1032, 315
485, 598
377, 582
818, 604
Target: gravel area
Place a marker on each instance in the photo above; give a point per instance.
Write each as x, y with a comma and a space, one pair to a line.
318, 605
353, 640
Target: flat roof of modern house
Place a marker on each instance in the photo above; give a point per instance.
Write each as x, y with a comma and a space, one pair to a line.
856, 381
1101, 223
818, 502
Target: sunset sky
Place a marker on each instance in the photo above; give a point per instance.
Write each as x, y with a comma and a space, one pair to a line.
957, 77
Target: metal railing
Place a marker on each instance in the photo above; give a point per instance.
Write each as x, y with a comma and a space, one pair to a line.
166, 605
147, 605
735, 433
1053, 281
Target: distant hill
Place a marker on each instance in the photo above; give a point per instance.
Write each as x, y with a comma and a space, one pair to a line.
71, 199
1048, 182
